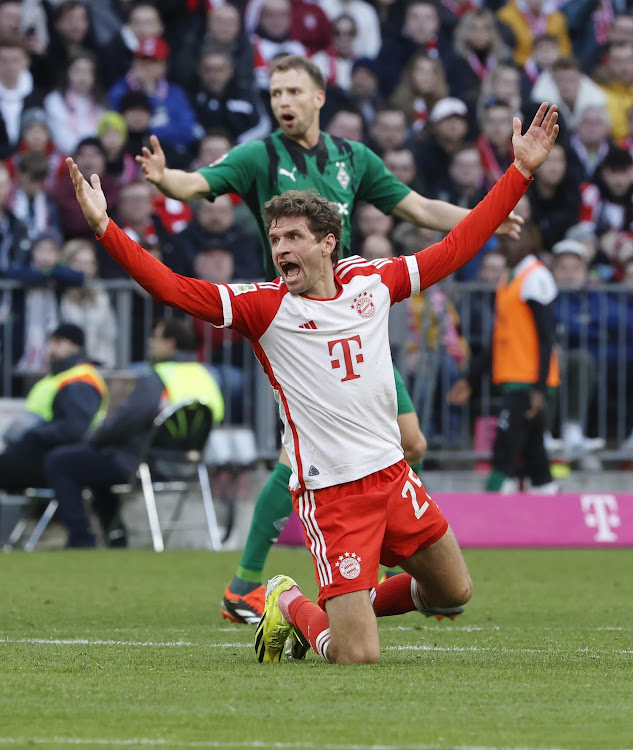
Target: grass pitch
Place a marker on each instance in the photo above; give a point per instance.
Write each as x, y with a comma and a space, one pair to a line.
128, 649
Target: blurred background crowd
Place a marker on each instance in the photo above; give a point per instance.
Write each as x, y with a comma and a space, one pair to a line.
431, 86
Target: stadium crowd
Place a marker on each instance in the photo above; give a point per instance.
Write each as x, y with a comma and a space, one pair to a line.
430, 85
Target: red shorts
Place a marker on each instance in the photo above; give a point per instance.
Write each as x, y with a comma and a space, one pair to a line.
351, 528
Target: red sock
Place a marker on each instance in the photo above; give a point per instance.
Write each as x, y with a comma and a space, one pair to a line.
312, 622
395, 596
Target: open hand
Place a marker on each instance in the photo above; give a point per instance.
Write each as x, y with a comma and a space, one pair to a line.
459, 393
533, 147
152, 162
512, 226
90, 197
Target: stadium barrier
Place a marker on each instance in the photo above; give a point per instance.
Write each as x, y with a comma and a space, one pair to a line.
603, 336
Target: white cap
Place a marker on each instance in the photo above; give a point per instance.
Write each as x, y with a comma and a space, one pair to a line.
570, 246
447, 108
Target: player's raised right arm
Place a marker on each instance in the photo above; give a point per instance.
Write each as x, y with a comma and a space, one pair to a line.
174, 183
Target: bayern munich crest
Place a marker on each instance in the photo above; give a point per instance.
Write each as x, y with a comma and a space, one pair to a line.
349, 565
363, 305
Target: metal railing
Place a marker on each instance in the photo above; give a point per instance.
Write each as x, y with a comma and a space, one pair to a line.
595, 336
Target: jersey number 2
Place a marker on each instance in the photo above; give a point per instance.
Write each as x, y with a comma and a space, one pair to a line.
409, 491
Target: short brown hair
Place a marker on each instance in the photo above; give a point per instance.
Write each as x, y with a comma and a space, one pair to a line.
322, 215
285, 63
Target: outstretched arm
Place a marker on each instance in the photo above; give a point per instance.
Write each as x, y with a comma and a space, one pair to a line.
174, 183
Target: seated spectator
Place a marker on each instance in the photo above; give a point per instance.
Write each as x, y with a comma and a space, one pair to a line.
224, 33
219, 103
527, 19
572, 90
503, 84
136, 111
143, 22
422, 85
364, 90
71, 33
545, 52
17, 92
172, 117
36, 308
589, 144
29, 201
445, 135
112, 451
59, 410
495, 141
214, 225
89, 304
137, 219
35, 138
554, 198
272, 37
212, 146
74, 109
401, 163
112, 132
388, 130
367, 41
618, 86
336, 61
90, 157
607, 204
370, 221
347, 123
420, 32
480, 47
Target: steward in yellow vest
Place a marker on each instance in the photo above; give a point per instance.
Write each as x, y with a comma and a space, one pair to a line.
60, 408
113, 449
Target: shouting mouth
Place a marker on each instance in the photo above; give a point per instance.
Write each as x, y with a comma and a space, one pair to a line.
290, 271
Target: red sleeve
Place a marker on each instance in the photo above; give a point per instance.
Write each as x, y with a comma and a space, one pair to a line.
473, 231
198, 298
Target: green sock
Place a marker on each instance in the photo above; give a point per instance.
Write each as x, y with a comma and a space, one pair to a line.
417, 467
272, 509
494, 481
395, 571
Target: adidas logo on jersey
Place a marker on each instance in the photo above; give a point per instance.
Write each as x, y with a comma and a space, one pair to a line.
311, 325
313, 471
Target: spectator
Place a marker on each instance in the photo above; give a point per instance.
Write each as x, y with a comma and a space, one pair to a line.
137, 219
89, 304
71, 34
545, 52
364, 90
215, 225
371, 222
172, 118
347, 123
529, 18
308, 23
422, 85
14, 234
30, 202
589, 144
74, 109
225, 34
211, 147
555, 199
446, 134
35, 138
59, 410
388, 130
136, 111
589, 23
90, 156
618, 87
17, 92
144, 22
36, 307
272, 37
495, 141
401, 163
220, 103
571, 89
113, 134
336, 62
480, 48
420, 33
112, 452
367, 40
503, 84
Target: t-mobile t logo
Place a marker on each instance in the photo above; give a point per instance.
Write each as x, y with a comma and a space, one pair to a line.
346, 346
601, 514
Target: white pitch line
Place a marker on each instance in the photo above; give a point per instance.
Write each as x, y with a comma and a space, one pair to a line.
160, 742
98, 642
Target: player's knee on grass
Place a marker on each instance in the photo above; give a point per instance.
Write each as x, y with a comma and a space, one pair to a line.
353, 629
353, 652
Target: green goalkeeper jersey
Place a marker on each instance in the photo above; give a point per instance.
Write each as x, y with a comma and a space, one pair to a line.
340, 170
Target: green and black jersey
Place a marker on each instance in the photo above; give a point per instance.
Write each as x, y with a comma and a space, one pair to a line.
340, 170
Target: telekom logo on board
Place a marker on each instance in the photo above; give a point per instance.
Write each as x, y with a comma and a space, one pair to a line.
601, 513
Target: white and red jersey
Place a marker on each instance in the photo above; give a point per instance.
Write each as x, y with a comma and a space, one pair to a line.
328, 360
